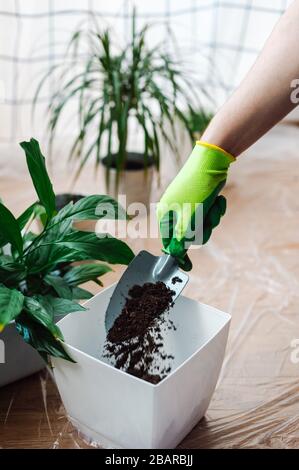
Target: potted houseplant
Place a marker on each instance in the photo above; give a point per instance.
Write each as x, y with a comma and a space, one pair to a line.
134, 91
37, 280
61, 200
115, 409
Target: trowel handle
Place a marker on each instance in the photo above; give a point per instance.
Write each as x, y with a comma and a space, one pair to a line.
165, 267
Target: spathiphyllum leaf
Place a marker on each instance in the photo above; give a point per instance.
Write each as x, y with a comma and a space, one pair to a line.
39, 175
103, 248
11, 304
47, 254
28, 238
39, 313
11, 272
49, 249
91, 208
9, 229
40, 338
2, 240
59, 285
85, 272
31, 212
81, 294
77, 246
57, 306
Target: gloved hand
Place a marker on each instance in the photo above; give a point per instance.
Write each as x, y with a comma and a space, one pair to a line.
199, 182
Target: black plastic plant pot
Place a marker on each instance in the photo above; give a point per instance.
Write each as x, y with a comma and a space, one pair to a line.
62, 200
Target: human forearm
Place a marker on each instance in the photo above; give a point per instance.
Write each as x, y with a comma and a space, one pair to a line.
263, 98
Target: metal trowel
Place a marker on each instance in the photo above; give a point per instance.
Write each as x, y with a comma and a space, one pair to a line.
145, 267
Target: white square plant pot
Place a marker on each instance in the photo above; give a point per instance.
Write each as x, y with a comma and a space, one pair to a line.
115, 409
17, 358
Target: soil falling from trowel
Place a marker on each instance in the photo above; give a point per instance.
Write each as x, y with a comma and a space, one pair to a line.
135, 343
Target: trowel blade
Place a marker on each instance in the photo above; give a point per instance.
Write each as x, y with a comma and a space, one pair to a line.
142, 270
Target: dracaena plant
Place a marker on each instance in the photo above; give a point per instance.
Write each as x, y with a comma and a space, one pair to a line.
113, 85
37, 280
198, 121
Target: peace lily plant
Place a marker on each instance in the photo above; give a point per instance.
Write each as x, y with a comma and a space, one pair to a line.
37, 280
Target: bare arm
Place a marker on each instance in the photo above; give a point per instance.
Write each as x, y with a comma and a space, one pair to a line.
263, 98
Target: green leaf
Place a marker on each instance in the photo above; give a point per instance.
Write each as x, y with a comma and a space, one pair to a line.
77, 246
95, 247
11, 273
3, 241
40, 338
28, 238
45, 256
40, 314
33, 211
199, 120
11, 304
85, 272
40, 178
48, 253
58, 307
81, 294
93, 207
59, 285
9, 229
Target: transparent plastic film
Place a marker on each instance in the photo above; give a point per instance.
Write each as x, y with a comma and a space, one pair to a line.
250, 269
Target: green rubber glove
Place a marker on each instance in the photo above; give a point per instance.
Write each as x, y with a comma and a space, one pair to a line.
193, 193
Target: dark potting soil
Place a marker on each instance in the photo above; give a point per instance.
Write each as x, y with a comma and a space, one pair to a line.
175, 280
134, 343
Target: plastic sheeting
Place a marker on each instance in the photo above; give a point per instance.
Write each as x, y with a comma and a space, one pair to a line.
250, 268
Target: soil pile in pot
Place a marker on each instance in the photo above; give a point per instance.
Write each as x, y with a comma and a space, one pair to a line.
134, 343
176, 280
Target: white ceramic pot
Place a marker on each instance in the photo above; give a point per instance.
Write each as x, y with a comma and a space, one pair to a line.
117, 410
20, 359
17, 359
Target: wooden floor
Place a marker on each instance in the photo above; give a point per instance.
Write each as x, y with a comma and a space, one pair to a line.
250, 268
